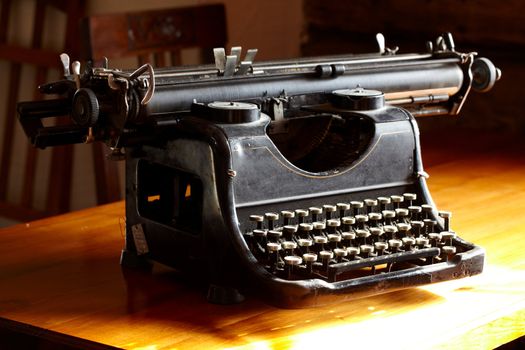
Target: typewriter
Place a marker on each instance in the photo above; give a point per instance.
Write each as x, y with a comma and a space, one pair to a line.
301, 180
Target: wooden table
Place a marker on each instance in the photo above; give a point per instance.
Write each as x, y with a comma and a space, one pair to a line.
60, 279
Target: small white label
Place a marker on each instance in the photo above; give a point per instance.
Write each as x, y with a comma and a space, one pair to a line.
140, 239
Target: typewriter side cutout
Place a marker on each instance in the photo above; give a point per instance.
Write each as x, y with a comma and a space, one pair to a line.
301, 178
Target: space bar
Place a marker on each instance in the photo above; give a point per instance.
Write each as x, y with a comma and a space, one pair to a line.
339, 268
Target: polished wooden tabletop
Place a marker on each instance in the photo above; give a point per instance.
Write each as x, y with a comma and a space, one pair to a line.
62, 275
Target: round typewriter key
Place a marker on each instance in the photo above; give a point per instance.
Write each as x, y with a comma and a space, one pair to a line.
366, 250
414, 210
408, 242
340, 254
289, 247
383, 202
348, 237
375, 216
361, 220
334, 238
363, 235
429, 225
305, 244
315, 212
333, 223
326, 256
380, 247
291, 261
289, 231
390, 231
274, 235
258, 219
370, 204
259, 233
402, 213
301, 214
342, 207
309, 259
395, 244
421, 242
397, 200
287, 216
389, 216
410, 198
427, 209
271, 217
352, 252
347, 222
403, 229
356, 206
376, 232
320, 241
434, 238
305, 229
319, 227
273, 247
375, 219
260, 236
329, 210
417, 227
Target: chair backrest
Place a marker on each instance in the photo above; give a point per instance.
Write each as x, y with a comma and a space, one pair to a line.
21, 205
156, 37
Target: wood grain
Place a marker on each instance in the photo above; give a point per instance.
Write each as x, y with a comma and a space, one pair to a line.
63, 274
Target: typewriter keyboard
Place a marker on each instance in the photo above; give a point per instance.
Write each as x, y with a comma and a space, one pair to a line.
341, 241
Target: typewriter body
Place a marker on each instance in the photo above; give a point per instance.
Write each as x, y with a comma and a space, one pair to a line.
300, 179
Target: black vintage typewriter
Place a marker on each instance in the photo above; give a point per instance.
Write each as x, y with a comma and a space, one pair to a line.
301, 179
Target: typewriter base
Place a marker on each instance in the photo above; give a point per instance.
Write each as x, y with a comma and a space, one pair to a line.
461, 266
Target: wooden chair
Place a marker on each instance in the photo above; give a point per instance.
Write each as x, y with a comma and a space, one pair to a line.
156, 37
44, 60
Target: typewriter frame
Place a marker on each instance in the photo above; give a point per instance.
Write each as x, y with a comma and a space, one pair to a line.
193, 177
216, 154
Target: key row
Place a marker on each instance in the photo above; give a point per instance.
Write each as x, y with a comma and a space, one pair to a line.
401, 219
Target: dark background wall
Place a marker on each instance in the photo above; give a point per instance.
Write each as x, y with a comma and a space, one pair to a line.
494, 29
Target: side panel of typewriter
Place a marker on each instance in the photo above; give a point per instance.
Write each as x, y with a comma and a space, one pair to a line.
172, 199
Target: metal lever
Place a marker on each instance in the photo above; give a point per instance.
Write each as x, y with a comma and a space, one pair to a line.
383, 50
